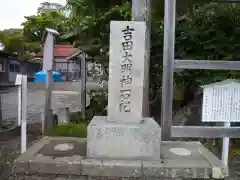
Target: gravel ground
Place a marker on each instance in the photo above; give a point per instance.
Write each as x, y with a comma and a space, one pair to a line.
9, 150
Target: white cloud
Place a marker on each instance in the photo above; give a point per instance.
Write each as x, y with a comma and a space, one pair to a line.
12, 12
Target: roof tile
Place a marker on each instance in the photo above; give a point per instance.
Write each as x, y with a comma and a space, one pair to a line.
62, 51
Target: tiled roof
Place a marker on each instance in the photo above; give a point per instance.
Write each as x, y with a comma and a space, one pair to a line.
65, 51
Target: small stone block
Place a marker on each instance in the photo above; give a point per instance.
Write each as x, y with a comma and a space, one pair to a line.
125, 141
63, 115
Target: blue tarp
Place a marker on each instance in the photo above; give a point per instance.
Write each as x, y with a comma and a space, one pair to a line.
42, 76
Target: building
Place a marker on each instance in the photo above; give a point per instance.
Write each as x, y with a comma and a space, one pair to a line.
67, 60
11, 65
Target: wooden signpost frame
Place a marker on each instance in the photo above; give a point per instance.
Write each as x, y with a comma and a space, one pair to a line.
169, 64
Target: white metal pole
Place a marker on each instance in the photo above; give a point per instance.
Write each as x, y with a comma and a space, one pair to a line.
225, 147
19, 104
24, 115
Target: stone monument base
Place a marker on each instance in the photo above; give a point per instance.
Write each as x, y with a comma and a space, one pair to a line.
62, 158
120, 140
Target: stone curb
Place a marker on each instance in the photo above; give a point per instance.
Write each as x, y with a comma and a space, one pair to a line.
31, 164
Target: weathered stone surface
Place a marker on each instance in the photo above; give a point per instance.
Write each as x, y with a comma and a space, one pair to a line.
113, 178
75, 147
123, 140
47, 165
198, 163
127, 71
63, 115
49, 177
91, 167
21, 166
179, 164
112, 168
37, 161
187, 168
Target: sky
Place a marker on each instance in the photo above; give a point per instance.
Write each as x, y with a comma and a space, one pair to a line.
12, 12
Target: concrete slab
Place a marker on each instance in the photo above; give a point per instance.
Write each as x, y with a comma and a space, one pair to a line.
37, 163
119, 140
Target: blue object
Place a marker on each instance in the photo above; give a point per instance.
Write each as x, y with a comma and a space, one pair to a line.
42, 77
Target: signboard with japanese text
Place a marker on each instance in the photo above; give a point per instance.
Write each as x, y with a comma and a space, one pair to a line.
221, 102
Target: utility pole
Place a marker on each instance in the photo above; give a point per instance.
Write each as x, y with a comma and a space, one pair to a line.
141, 11
48, 59
83, 86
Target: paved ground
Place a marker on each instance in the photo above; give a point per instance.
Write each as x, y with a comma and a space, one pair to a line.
64, 94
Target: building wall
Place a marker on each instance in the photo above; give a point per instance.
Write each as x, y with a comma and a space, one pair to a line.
69, 68
14, 67
3, 71
63, 65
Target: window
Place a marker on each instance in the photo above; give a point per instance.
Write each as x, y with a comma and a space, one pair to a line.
11, 67
17, 68
14, 68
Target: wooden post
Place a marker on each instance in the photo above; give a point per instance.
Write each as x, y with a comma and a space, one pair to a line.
83, 86
48, 59
48, 120
141, 11
168, 67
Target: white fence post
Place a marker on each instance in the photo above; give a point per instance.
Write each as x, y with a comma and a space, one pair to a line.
18, 82
24, 115
19, 104
225, 147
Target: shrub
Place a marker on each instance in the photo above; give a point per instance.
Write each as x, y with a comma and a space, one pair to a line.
68, 130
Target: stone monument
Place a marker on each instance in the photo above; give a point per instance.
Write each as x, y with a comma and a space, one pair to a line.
124, 133
122, 145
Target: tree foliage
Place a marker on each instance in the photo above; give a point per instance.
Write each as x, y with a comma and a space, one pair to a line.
12, 40
209, 35
204, 30
88, 25
35, 25
48, 7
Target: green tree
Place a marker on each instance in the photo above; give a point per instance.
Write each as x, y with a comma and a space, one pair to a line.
201, 33
208, 35
48, 6
88, 25
35, 25
12, 40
